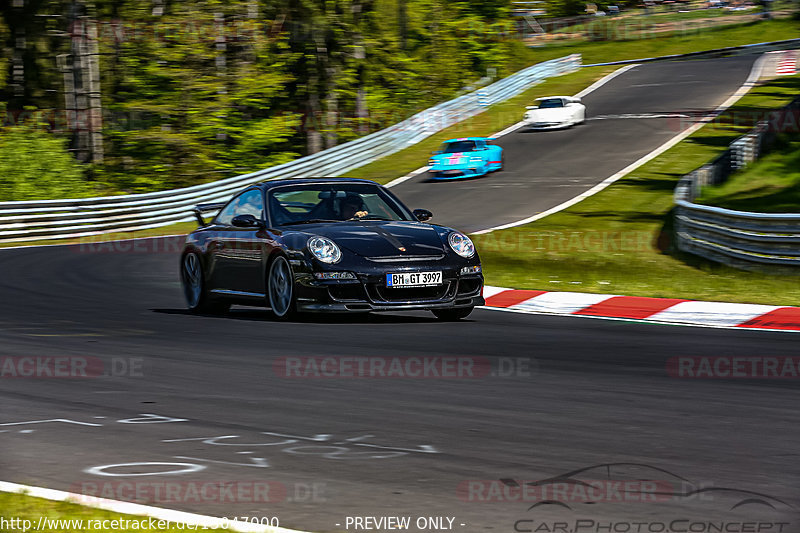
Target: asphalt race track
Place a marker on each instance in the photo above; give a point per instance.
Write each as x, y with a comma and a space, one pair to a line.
192, 401
546, 168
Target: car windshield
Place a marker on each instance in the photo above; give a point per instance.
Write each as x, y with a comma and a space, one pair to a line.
332, 202
550, 103
458, 146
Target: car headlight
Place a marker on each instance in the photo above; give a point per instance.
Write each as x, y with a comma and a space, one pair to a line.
431, 162
324, 249
527, 116
461, 244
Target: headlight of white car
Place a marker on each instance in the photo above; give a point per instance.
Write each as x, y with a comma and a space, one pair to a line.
324, 249
527, 116
461, 244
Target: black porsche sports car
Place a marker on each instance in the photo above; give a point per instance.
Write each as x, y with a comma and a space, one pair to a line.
322, 244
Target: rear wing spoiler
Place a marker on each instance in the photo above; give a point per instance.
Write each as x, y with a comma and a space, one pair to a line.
205, 208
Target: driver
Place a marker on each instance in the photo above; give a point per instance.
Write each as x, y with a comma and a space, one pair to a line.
352, 206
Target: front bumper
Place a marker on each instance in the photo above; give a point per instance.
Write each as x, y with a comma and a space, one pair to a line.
369, 292
457, 173
547, 125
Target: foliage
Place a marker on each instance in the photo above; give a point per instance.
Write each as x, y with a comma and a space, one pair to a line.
35, 165
198, 90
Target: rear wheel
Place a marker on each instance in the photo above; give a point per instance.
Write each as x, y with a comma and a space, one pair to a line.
280, 288
194, 287
451, 315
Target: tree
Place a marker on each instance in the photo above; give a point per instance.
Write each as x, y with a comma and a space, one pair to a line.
36, 165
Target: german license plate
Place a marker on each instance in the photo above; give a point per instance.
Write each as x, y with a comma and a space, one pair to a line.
414, 279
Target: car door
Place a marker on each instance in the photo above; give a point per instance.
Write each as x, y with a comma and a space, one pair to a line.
238, 251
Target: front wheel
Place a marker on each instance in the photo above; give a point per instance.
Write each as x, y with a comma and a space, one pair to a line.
280, 288
451, 315
194, 287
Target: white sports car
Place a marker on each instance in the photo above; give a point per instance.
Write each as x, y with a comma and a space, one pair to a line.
555, 112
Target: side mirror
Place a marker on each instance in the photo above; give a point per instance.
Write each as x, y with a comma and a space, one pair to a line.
423, 214
437, 152
247, 221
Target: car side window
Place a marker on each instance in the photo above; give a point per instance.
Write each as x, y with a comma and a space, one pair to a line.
247, 203
250, 203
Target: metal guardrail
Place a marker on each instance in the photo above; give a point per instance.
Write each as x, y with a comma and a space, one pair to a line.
72, 218
737, 238
741, 239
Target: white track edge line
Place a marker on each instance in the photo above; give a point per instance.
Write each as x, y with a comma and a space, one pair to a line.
755, 74
136, 509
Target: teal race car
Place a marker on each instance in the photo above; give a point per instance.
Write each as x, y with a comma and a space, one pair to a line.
467, 157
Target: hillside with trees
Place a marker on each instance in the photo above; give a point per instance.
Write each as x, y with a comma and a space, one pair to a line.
147, 95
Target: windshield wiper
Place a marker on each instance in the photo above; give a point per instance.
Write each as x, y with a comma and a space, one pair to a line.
310, 221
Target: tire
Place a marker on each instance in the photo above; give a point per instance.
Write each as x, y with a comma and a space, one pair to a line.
194, 288
280, 289
452, 315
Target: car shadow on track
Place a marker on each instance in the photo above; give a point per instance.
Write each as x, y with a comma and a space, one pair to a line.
440, 181
264, 315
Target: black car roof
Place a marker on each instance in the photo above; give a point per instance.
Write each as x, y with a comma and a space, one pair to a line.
304, 181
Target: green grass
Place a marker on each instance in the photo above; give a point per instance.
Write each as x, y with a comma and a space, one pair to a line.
18, 506
770, 185
658, 44
619, 240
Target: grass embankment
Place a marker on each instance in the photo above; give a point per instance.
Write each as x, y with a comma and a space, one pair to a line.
770, 185
618, 241
19, 507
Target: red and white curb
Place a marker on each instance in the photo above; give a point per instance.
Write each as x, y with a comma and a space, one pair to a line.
787, 65
199, 522
637, 308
